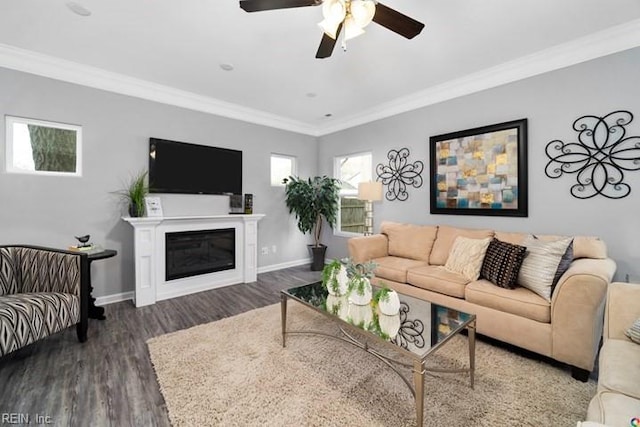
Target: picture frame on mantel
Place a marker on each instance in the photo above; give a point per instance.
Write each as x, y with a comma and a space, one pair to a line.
480, 171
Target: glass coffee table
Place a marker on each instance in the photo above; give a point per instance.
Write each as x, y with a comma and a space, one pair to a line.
416, 331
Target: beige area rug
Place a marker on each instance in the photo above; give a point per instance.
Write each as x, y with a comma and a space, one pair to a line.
234, 372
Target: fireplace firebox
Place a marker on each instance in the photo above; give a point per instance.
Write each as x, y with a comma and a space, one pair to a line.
191, 253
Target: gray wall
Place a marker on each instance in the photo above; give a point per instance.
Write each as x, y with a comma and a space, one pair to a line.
49, 211
551, 102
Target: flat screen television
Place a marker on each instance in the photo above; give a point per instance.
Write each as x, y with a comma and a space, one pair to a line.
179, 167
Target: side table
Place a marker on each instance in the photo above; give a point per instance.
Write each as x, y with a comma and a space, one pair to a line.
97, 312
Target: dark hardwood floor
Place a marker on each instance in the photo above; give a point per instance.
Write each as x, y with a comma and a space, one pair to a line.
109, 380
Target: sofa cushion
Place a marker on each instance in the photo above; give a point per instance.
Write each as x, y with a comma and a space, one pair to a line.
395, 268
26, 318
436, 278
619, 368
589, 247
520, 301
511, 237
466, 256
445, 238
408, 240
539, 267
613, 409
502, 263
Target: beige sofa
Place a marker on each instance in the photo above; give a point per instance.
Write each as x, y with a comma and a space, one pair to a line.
618, 398
411, 260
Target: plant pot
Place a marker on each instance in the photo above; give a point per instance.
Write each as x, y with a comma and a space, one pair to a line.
390, 304
341, 278
134, 212
361, 291
318, 255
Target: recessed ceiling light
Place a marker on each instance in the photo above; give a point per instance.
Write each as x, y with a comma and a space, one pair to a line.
78, 9
226, 67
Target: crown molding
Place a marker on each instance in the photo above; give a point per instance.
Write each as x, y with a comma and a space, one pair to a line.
60, 69
596, 45
606, 42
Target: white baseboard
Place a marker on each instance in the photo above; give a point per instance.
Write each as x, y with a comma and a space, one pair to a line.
274, 267
126, 296
111, 299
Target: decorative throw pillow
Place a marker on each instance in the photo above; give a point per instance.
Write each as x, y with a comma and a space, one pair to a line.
502, 263
466, 256
634, 332
539, 267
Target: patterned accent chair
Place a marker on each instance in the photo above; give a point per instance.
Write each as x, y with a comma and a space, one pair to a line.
42, 291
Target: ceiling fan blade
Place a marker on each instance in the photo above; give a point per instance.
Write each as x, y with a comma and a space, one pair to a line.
327, 44
397, 22
259, 5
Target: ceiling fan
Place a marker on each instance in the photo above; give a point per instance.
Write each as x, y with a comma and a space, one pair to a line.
350, 15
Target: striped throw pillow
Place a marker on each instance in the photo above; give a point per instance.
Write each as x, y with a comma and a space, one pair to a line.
541, 263
634, 332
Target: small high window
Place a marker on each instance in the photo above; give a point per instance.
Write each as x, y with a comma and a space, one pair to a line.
43, 148
282, 166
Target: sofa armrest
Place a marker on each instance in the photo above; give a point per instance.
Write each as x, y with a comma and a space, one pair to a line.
366, 248
577, 307
621, 310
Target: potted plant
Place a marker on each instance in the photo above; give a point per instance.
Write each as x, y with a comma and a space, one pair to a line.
313, 201
134, 194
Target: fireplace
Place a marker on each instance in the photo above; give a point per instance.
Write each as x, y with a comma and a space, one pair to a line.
191, 253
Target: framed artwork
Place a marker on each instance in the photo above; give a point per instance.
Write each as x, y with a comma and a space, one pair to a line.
481, 171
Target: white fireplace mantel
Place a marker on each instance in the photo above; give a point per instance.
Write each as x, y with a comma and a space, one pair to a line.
149, 255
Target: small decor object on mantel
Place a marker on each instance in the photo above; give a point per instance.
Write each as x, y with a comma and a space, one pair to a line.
599, 157
153, 206
399, 173
134, 194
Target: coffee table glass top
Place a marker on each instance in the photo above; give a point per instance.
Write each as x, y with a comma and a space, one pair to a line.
419, 327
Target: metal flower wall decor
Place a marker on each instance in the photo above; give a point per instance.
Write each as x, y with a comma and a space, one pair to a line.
399, 174
599, 158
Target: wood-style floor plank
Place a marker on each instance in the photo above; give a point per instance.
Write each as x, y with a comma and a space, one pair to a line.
109, 380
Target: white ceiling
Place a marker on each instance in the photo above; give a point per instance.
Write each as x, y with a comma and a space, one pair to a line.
171, 51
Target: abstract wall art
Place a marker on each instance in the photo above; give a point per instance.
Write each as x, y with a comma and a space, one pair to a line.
480, 171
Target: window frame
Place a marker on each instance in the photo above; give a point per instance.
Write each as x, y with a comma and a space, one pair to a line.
336, 174
10, 167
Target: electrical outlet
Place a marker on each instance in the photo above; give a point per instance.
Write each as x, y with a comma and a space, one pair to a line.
274, 249
265, 250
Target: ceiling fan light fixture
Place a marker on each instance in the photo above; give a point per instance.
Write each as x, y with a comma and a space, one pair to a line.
351, 28
334, 12
330, 28
362, 12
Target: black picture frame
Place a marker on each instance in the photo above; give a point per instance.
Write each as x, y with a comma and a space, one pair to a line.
480, 171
